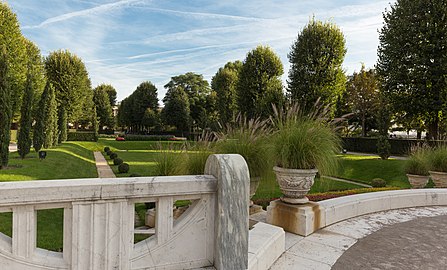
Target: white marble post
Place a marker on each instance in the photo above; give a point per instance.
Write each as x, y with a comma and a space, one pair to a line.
231, 222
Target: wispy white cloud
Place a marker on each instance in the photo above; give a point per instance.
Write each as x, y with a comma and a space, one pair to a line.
84, 12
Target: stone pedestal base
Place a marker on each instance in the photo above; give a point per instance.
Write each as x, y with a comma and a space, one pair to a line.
301, 219
254, 209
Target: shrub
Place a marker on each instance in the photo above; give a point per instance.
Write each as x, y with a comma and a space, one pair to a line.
383, 147
113, 155
106, 149
378, 183
123, 168
82, 136
109, 152
117, 161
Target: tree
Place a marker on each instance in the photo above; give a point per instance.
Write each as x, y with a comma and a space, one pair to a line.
13, 41
111, 92
68, 75
362, 93
50, 116
5, 112
412, 60
316, 60
150, 119
259, 84
62, 125
103, 107
224, 85
197, 90
24, 137
176, 110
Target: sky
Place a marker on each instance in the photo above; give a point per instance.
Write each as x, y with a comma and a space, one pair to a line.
126, 42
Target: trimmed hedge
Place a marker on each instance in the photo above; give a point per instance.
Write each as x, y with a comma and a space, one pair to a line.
398, 146
123, 168
130, 137
82, 136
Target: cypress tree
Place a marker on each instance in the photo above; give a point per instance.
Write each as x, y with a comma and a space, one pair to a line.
5, 112
24, 137
50, 118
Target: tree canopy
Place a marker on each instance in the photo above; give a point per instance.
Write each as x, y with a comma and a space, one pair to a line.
103, 107
67, 73
316, 60
259, 84
197, 89
412, 61
224, 84
176, 111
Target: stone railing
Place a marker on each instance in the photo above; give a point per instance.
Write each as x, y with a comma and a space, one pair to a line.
98, 227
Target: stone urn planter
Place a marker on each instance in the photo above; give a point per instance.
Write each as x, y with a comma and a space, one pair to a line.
417, 181
439, 179
294, 184
254, 184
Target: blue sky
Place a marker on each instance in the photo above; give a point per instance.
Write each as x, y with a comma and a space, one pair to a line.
125, 42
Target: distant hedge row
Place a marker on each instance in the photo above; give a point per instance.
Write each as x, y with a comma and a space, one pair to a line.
398, 146
82, 136
130, 137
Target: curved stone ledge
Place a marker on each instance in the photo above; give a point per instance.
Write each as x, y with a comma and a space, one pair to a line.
312, 216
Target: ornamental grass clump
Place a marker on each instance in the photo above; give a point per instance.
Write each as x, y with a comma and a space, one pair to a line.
417, 162
198, 154
169, 160
306, 144
438, 159
248, 138
306, 140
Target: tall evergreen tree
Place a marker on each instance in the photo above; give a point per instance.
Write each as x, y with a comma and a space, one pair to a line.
316, 60
412, 61
50, 116
224, 85
259, 84
5, 111
24, 137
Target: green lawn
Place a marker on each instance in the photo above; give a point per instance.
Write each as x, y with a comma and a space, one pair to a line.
365, 168
69, 160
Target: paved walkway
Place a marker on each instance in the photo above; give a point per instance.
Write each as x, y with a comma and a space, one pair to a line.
411, 238
104, 170
347, 181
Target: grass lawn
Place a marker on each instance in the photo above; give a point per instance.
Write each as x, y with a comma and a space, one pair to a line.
69, 160
365, 168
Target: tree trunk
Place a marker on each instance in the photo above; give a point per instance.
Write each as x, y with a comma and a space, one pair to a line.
363, 125
433, 129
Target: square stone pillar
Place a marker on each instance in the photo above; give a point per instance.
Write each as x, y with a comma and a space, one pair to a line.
301, 219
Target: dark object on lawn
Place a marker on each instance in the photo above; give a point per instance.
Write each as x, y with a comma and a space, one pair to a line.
378, 182
136, 175
109, 152
42, 154
113, 155
120, 139
123, 168
106, 149
117, 161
